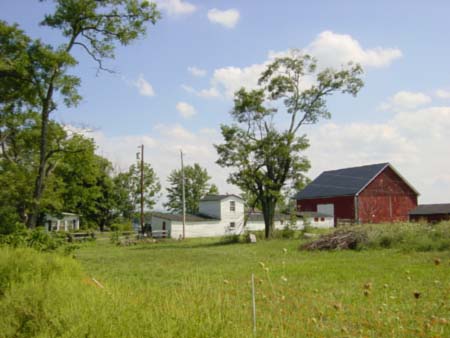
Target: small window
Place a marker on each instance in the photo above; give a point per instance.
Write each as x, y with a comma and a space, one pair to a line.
322, 219
232, 206
316, 219
232, 224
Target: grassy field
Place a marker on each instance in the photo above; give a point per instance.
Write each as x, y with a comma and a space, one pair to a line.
201, 288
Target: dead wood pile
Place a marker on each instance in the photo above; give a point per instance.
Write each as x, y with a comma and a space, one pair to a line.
338, 240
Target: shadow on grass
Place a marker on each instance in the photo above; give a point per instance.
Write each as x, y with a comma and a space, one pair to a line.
184, 245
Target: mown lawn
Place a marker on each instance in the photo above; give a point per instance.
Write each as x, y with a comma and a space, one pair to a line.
199, 288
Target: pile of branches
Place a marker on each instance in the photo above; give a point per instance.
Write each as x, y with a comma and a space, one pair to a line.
345, 239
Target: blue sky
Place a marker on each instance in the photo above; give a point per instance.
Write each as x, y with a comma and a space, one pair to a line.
173, 88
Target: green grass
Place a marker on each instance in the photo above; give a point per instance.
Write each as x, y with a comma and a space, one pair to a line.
199, 288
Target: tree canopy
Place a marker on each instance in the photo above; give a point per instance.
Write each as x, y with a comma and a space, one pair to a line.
264, 145
196, 187
35, 75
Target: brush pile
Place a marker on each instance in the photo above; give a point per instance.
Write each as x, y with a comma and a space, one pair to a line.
338, 240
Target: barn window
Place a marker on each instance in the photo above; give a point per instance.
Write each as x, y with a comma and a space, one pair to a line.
232, 206
316, 219
232, 224
322, 219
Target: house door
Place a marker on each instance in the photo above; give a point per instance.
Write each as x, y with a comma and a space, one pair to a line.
164, 230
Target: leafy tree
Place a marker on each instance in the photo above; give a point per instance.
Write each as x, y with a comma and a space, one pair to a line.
196, 187
38, 73
127, 190
266, 157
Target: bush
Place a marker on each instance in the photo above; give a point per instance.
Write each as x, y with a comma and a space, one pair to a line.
121, 225
230, 239
37, 239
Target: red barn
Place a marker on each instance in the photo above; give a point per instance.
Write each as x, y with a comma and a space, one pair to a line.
367, 194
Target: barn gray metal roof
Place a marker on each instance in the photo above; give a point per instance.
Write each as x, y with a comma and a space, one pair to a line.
341, 182
217, 197
431, 209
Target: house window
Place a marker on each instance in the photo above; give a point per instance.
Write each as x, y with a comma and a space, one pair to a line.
232, 224
232, 206
322, 219
316, 219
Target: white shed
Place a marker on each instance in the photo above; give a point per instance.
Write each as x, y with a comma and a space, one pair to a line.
65, 221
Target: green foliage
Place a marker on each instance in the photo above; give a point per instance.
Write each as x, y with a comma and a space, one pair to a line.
114, 237
122, 226
407, 236
268, 159
35, 76
196, 187
37, 239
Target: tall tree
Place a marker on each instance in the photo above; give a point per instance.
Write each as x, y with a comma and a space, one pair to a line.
266, 157
95, 27
196, 187
127, 190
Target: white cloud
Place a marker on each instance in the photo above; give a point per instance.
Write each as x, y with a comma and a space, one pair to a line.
205, 93
404, 100
209, 93
197, 71
227, 18
442, 94
162, 151
144, 87
176, 7
186, 110
232, 79
332, 49
405, 141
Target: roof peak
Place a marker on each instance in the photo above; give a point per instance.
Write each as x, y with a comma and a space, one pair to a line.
360, 166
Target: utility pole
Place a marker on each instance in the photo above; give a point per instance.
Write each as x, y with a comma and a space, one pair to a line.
183, 195
142, 189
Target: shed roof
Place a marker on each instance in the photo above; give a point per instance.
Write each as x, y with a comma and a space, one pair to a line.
208, 198
345, 182
431, 209
179, 217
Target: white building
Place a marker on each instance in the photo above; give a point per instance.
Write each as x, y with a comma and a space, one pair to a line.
66, 221
221, 215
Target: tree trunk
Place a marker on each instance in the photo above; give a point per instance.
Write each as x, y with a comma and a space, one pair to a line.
268, 206
39, 185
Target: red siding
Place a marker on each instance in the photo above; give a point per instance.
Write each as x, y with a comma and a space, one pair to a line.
386, 199
344, 206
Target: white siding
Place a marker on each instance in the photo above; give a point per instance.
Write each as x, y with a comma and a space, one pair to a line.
203, 229
236, 216
157, 224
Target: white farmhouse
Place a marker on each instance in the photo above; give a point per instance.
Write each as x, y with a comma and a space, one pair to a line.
221, 215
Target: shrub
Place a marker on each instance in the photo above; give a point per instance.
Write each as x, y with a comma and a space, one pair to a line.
230, 239
37, 239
